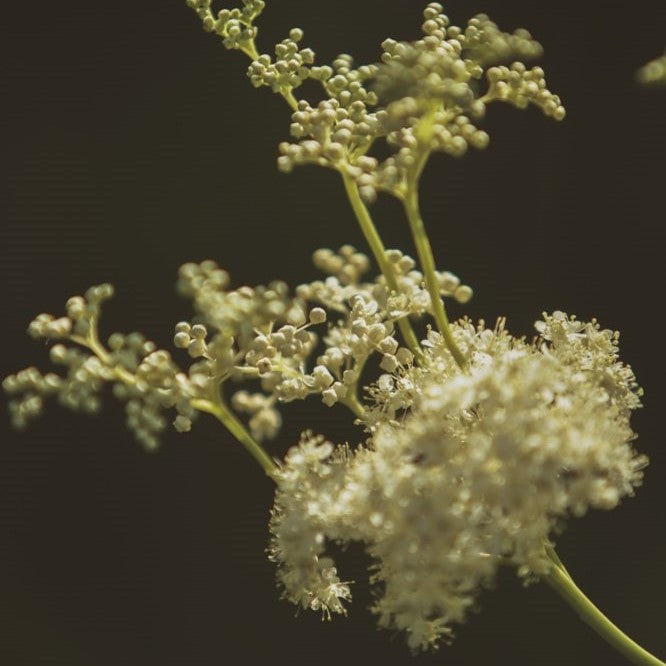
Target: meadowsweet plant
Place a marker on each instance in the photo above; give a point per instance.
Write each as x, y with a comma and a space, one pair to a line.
473, 447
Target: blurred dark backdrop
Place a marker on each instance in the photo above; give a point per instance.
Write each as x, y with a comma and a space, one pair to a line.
131, 143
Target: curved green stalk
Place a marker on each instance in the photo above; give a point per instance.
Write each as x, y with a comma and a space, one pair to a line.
555, 558
563, 584
424, 252
379, 252
227, 418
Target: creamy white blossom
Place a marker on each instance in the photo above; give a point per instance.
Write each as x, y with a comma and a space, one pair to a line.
464, 470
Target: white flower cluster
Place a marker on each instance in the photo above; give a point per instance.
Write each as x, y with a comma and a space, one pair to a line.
464, 471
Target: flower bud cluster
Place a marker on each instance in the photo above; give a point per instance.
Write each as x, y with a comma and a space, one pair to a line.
429, 100
423, 73
158, 385
290, 68
264, 334
143, 377
235, 312
265, 421
483, 42
330, 135
80, 389
480, 468
259, 333
235, 26
412, 298
521, 86
347, 265
366, 330
345, 84
280, 357
31, 387
369, 312
450, 134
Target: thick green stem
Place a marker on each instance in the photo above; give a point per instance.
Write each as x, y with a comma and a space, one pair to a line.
424, 252
379, 252
290, 99
564, 585
226, 417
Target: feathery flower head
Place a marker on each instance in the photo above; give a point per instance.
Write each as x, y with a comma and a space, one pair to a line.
463, 471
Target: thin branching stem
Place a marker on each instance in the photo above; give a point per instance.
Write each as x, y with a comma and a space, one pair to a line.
425, 255
379, 252
229, 420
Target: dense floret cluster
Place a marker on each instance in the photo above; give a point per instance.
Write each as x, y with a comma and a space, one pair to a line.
463, 471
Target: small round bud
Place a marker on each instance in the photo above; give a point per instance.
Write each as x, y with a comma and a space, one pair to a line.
58, 353
448, 282
404, 356
116, 341
181, 340
559, 113
388, 345
199, 332
329, 397
296, 34
182, 423
317, 316
376, 332
463, 293
296, 316
389, 363
76, 307
196, 348
264, 366
323, 378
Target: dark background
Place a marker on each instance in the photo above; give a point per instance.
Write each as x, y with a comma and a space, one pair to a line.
131, 143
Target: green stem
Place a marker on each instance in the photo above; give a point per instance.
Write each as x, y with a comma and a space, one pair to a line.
424, 251
555, 558
251, 51
352, 401
92, 342
564, 585
226, 417
379, 251
289, 98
